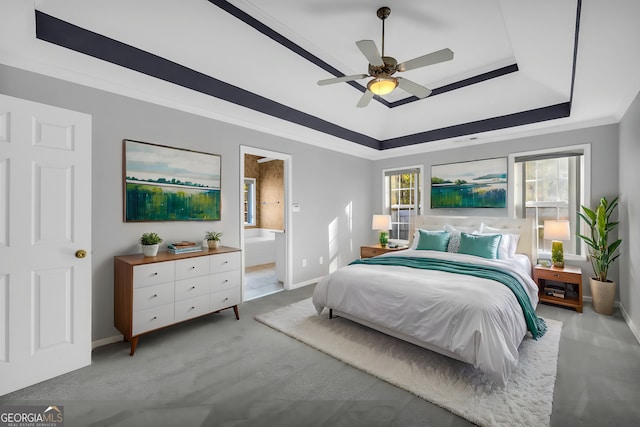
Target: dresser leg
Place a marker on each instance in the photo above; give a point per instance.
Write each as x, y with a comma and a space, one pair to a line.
134, 344
235, 311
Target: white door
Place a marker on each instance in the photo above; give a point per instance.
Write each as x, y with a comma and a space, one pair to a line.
45, 219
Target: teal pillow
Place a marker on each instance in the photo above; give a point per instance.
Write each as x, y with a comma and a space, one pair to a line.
433, 241
485, 246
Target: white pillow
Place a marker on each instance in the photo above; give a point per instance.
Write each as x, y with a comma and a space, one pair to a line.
510, 236
454, 239
416, 237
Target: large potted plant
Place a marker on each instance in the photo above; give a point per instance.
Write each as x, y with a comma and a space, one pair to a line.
601, 253
150, 243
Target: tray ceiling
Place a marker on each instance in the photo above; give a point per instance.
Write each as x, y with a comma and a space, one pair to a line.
518, 66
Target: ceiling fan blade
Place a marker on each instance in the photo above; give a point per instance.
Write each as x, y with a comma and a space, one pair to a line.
428, 59
413, 88
370, 51
366, 98
341, 79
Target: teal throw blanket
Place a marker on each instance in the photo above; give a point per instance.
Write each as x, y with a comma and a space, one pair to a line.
535, 324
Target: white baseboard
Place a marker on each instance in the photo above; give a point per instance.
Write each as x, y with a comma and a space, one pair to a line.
106, 341
632, 326
305, 283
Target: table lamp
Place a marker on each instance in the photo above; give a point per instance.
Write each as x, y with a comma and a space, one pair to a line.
557, 231
382, 223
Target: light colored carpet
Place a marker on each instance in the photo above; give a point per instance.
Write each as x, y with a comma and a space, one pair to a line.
453, 385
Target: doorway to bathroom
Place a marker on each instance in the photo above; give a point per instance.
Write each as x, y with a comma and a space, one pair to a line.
265, 221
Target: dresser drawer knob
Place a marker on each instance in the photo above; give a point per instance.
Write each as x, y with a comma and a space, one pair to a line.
154, 296
226, 281
192, 308
155, 274
226, 262
154, 317
227, 298
193, 287
193, 267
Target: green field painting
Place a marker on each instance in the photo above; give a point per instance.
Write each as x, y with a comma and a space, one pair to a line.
169, 184
476, 184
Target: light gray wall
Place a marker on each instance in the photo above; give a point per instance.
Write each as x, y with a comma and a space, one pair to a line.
332, 188
604, 180
629, 215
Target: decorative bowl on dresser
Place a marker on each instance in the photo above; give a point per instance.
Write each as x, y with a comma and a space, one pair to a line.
153, 293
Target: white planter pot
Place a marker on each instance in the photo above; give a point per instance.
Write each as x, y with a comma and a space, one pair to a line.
150, 250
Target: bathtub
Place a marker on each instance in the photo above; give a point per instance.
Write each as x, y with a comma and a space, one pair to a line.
259, 246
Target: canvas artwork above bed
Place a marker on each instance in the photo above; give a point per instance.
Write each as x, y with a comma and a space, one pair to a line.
463, 289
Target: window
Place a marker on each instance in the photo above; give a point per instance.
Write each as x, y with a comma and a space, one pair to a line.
249, 201
551, 185
402, 199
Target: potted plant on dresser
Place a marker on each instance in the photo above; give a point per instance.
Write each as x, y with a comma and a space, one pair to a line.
601, 253
213, 239
150, 243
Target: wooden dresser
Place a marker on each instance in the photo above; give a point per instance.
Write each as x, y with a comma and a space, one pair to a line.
155, 292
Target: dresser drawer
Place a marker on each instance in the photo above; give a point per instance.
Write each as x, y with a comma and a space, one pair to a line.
225, 262
190, 288
193, 307
153, 274
192, 267
152, 296
152, 318
226, 280
225, 299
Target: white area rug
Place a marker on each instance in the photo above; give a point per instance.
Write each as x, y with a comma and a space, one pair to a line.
453, 385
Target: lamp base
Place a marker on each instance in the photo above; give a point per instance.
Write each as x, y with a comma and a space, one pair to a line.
384, 239
557, 254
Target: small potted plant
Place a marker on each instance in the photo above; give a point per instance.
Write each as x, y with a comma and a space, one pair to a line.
213, 239
601, 253
150, 243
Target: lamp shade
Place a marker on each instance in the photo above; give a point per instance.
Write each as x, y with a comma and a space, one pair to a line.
381, 222
557, 230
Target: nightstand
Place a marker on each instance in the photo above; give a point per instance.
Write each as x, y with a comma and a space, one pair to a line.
375, 250
559, 286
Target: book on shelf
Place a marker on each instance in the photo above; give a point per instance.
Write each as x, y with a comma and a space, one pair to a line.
554, 292
182, 244
183, 249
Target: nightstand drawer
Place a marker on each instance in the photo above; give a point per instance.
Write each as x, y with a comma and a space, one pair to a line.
559, 276
367, 252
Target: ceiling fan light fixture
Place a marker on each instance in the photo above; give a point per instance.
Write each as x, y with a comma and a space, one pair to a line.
382, 85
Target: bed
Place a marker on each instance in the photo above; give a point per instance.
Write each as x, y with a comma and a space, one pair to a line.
421, 296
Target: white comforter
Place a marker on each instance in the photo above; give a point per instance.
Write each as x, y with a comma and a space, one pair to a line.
477, 320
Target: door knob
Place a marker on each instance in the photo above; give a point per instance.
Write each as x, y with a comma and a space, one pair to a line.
81, 253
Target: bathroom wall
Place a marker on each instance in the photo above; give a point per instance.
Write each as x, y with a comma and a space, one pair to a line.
271, 195
269, 176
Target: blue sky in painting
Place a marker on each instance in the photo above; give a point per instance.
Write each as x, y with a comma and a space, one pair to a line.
146, 161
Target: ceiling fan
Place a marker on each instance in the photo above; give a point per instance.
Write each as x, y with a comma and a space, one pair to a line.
382, 68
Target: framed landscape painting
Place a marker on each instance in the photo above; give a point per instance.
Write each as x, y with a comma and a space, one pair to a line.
170, 184
475, 184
